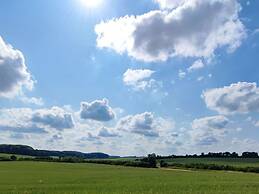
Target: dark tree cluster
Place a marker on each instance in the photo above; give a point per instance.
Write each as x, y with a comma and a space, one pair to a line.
250, 155
150, 160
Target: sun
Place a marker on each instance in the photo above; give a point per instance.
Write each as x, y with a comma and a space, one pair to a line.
91, 3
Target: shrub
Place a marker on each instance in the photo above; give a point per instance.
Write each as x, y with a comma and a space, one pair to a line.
13, 158
163, 164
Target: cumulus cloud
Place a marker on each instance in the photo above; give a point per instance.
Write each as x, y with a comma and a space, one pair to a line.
208, 130
26, 120
98, 110
193, 29
145, 124
55, 118
14, 75
17, 120
241, 97
104, 132
196, 65
139, 79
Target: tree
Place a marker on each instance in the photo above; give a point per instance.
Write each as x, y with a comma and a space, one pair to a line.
13, 158
163, 164
250, 155
152, 160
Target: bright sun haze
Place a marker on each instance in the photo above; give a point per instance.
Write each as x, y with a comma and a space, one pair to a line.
91, 3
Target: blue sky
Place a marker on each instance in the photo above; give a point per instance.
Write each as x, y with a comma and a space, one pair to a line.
130, 78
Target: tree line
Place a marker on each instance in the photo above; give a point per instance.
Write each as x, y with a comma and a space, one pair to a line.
29, 151
147, 162
203, 166
214, 155
151, 161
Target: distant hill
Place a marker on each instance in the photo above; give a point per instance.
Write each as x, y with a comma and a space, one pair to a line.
29, 151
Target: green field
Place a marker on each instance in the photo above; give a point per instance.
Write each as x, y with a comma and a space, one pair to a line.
62, 178
238, 162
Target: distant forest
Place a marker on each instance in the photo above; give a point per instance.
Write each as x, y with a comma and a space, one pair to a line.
29, 151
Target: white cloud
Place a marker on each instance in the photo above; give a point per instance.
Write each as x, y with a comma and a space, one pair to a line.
145, 124
14, 75
17, 120
55, 117
133, 76
105, 132
32, 100
139, 79
170, 4
208, 130
15, 116
196, 65
98, 110
181, 74
17, 126
241, 97
193, 29
26, 120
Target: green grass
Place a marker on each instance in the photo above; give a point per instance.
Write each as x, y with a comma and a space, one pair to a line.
61, 178
237, 162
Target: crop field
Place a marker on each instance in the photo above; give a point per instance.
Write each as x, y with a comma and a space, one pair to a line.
237, 162
64, 178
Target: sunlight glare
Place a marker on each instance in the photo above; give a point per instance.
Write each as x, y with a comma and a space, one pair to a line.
91, 3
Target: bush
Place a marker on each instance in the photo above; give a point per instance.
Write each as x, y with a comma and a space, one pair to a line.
150, 160
163, 164
133, 163
13, 158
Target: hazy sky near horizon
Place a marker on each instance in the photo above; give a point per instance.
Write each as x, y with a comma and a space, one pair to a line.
130, 77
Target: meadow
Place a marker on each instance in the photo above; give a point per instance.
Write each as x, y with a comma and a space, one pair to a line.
66, 178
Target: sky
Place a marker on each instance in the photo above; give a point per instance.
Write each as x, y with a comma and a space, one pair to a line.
130, 77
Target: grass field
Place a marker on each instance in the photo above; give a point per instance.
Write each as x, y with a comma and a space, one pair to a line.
61, 178
238, 162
